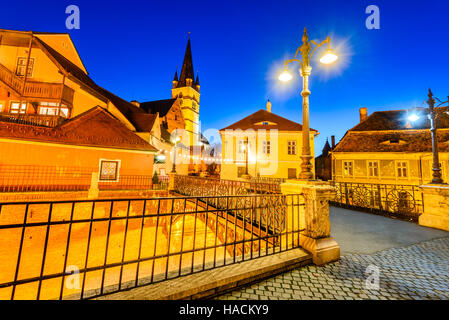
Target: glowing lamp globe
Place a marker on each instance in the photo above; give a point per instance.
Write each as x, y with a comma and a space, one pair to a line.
329, 57
285, 76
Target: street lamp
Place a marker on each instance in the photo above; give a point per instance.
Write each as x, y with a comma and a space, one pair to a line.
432, 116
175, 141
306, 54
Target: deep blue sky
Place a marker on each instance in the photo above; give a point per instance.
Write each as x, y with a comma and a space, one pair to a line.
133, 47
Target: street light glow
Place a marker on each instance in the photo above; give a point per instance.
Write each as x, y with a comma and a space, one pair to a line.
329, 57
285, 76
413, 117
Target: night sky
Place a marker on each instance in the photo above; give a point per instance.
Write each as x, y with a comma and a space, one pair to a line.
132, 48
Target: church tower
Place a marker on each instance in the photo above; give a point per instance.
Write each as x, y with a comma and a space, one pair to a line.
187, 90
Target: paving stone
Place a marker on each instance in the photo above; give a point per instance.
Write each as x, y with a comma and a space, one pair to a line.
416, 272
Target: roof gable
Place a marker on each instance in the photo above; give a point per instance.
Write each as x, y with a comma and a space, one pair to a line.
255, 121
62, 42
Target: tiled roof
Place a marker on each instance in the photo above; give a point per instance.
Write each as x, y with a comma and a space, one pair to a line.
143, 122
95, 127
391, 131
398, 120
161, 106
254, 121
400, 141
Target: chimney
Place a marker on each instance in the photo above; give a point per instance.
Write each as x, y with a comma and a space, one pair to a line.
363, 114
333, 142
269, 106
136, 103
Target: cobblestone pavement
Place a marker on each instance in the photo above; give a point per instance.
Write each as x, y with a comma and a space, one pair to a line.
419, 271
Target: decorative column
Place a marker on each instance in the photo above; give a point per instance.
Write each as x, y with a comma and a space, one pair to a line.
306, 165
93, 190
314, 219
436, 206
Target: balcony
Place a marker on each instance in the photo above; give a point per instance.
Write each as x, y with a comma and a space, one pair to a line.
32, 119
38, 90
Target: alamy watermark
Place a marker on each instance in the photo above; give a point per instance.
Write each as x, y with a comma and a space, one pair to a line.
372, 281
373, 20
73, 20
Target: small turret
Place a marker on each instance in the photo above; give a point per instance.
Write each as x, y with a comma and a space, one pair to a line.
175, 79
197, 83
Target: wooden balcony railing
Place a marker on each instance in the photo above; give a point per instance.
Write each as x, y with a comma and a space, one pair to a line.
32, 119
34, 89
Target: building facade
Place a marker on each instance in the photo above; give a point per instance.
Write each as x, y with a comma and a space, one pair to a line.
54, 118
263, 145
386, 148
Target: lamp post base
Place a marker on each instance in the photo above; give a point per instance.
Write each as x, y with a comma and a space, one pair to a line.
306, 168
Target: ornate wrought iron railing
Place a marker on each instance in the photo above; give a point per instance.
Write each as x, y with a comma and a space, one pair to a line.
32, 119
196, 186
30, 178
268, 180
86, 249
401, 200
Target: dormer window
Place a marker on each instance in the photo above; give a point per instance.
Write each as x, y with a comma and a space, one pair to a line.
394, 141
265, 123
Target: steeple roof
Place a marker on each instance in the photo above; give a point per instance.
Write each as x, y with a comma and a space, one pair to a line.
197, 82
176, 75
187, 67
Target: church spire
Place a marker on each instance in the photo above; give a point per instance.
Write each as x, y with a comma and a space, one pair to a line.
187, 68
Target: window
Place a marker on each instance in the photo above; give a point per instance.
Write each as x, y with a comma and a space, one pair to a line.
373, 168
347, 168
242, 146
266, 147
401, 169
265, 123
162, 172
292, 173
291, 147
50, 111
21, 66
17, 107
1, 106
53, 109
109, 170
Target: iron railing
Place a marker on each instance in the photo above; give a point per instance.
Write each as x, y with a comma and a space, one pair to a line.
268, 180
401, 200
87, 249
31, 178
196, 186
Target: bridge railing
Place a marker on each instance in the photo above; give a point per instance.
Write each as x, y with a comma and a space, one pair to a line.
90, 248
401, 200
197, 186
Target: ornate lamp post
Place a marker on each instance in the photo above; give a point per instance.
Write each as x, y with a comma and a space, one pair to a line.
432, 116
306, 52
175, 141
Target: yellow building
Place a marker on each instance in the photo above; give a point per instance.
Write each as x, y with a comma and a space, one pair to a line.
386, 148
263, 145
